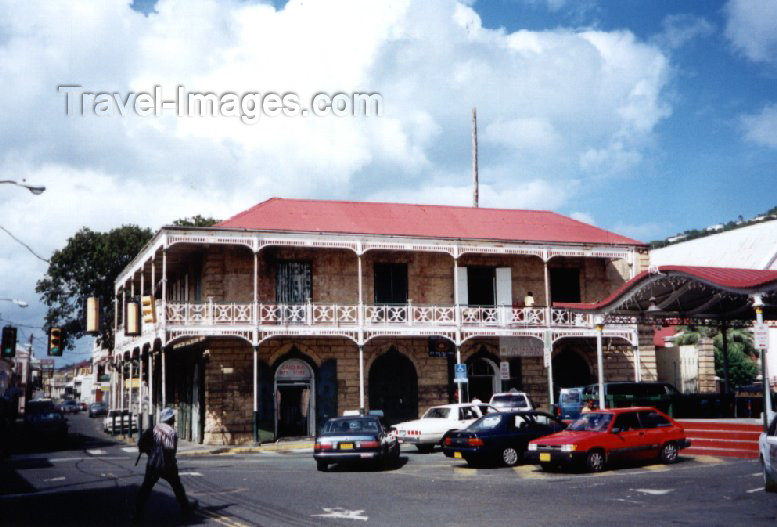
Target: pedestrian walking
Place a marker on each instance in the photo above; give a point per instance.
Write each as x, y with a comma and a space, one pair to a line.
160, 444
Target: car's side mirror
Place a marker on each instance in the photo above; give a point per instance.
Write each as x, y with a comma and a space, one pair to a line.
616, 430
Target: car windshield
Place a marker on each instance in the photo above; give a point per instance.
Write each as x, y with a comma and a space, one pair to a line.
351, 426
486, 423
40, 407
571, 397
508, 400
437, 413
594, 422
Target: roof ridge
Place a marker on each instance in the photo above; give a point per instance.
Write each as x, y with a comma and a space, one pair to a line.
395, 203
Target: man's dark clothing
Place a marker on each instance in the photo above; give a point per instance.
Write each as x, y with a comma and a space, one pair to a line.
161, 447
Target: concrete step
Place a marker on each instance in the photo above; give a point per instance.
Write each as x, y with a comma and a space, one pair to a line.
749, 446
719, 425
722, 438
725, 435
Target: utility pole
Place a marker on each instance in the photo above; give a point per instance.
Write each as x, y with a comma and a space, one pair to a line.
475, 183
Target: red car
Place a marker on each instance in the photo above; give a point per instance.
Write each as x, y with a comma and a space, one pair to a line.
617, 433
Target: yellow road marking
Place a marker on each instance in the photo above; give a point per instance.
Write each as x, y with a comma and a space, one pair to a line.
462, 471
657, 468
708, 459
224, 520
529, 472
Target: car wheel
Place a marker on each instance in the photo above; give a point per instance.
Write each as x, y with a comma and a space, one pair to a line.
770, 484
510, 457
668, 453
425, 449
322, 466
594, 461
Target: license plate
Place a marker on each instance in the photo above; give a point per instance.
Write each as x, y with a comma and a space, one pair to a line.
457, 455
544, 456
346, 446
400, 441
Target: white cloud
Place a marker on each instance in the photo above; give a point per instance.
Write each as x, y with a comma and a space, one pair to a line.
761, 128
752, 28
645, 232
555, 108
679, 29
584, 217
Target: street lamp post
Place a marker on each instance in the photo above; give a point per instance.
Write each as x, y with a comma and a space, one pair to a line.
37, 190
20, 303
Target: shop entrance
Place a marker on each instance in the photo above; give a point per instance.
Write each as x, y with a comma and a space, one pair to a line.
483, 378
393, 387
294, 402
570, 369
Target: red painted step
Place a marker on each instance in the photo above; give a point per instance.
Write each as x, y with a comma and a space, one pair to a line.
722, 438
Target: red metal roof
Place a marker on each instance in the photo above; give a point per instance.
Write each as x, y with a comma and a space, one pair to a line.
423, 221
744, 281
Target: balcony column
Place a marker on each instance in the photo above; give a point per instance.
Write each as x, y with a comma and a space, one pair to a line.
163, 318
163, 356
256, 390
599, 327
547, 353
361, 330
457, 319
141, 407
151, 410
549, 312
256, 290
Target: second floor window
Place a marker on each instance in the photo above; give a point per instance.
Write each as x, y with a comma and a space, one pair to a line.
565, 284
390, 283
293, 283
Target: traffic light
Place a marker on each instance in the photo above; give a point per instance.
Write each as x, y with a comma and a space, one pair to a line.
149, 310
133, 323
8, 345
55, 342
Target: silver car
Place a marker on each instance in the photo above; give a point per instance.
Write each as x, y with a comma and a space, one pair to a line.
767, 446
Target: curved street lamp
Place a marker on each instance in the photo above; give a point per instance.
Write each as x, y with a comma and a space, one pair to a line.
20, 303
32, 188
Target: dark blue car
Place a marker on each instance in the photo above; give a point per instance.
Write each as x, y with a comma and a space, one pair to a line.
500, 438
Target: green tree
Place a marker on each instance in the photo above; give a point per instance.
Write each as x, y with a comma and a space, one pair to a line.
742, 369
196, 221
86, 266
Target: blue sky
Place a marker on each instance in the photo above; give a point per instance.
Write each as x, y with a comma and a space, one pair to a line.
642, 117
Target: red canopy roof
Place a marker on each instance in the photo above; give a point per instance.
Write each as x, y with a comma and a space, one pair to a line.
664, 285
424, 221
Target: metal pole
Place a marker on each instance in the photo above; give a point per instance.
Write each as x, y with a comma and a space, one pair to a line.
599, 326
151, 410
767, 389
458, 361
548, 355
164, 378
361, 379
724, 335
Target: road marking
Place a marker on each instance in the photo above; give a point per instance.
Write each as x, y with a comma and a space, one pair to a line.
708, 459
654, 492
61, 478
96, 452
754, 490
198, 474
657, 468
529, 472
341, 513
130, 449
463, 471
757, 474
223, 520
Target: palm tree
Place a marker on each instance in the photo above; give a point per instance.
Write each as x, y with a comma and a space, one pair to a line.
734, 359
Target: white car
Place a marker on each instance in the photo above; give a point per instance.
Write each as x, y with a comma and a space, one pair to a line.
427, 432
767, 447
511, 402
121, 418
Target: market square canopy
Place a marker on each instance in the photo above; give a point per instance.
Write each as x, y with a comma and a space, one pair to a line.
681, 294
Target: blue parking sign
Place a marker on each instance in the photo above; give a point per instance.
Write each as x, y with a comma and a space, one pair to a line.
460, 373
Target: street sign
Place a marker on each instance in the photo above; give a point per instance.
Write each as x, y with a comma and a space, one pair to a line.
504, 370
761, 336
460, 373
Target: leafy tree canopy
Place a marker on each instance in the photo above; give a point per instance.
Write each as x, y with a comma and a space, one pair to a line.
86, 266
196, 221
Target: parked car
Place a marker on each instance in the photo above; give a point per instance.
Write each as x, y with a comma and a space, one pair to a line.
767, 448
98, 410
42, 419
511, 401
570, 403
122, 418
500, 437
427, 432
604, 435
355, 439
69, 406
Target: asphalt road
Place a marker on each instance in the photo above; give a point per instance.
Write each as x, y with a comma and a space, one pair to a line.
92, 480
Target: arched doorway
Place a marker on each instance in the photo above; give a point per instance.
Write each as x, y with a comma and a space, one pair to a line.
393, 387
483, 374
570, 369
295, 402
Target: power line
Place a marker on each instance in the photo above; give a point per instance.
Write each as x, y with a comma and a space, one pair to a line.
24, 245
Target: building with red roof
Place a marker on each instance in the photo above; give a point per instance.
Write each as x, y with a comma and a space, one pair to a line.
294, 311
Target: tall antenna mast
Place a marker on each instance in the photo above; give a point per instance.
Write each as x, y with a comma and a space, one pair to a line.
475, 183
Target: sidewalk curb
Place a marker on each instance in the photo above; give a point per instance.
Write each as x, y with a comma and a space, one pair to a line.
225, 449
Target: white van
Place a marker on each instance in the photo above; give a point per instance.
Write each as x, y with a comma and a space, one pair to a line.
511, 401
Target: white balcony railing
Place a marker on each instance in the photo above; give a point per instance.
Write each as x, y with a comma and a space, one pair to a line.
232, 313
